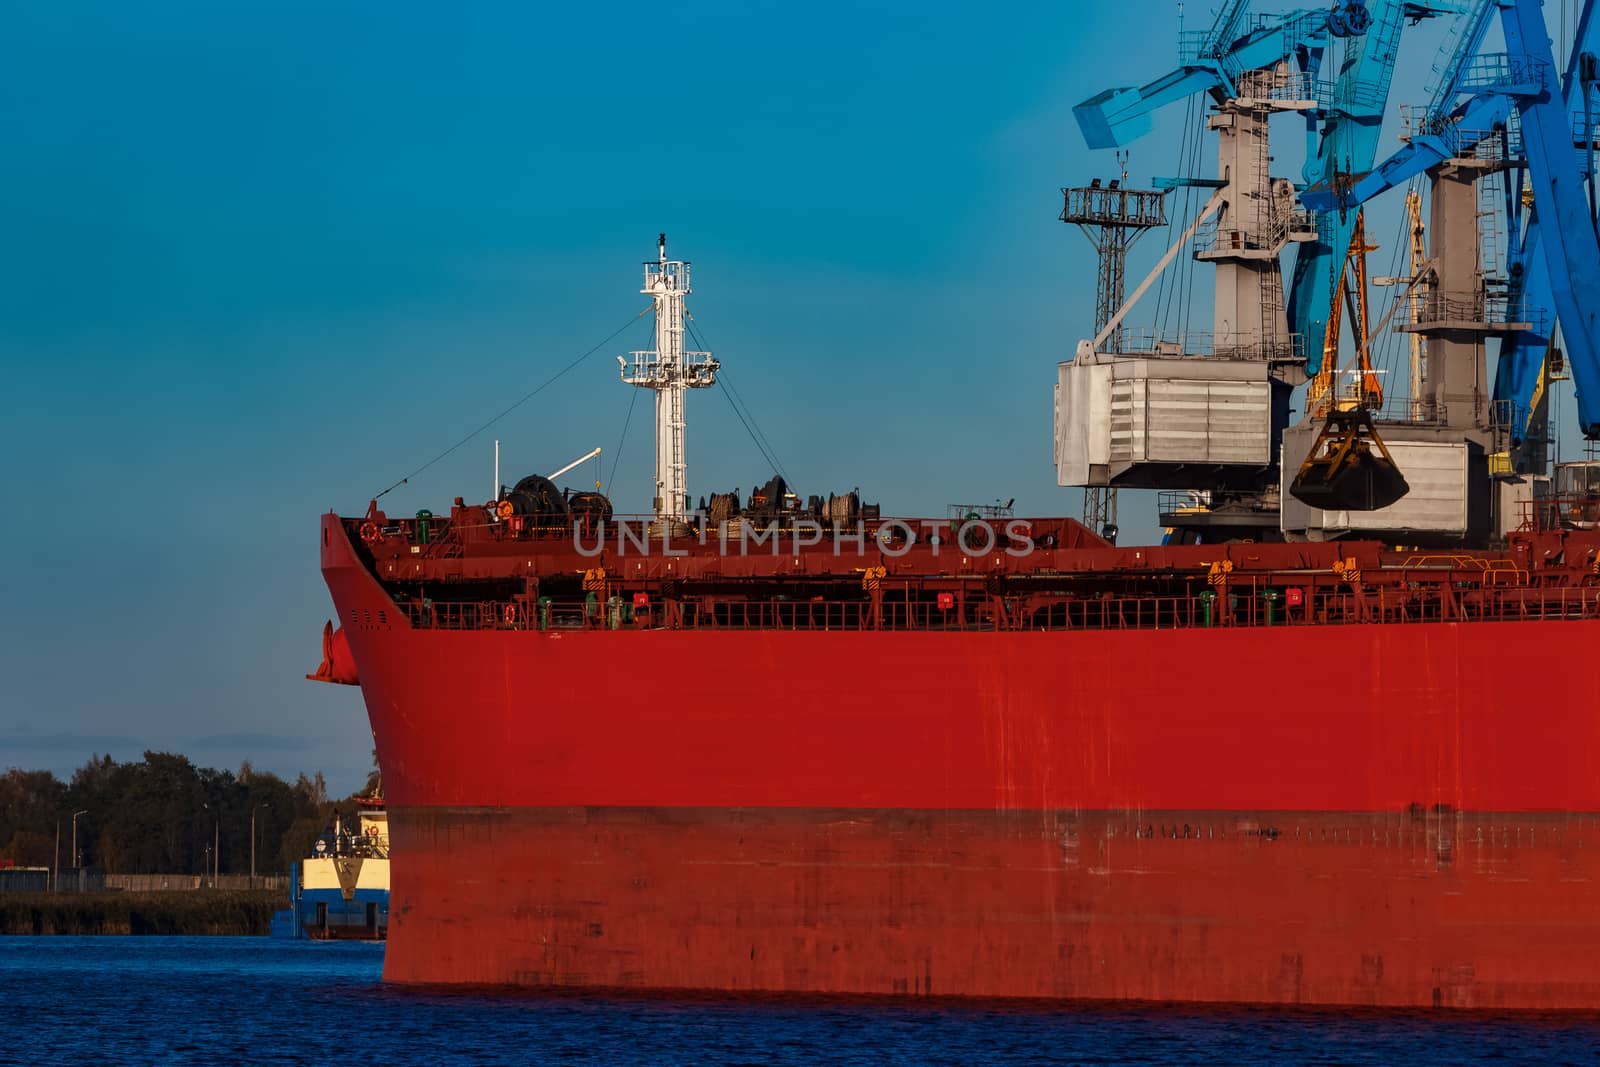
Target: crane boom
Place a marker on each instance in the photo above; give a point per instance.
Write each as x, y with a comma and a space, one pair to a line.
586, 457
1348, 139
1571, 251
1519, 375
1419, 255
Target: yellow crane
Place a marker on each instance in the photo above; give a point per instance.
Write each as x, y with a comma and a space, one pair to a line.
1349, 289
1349, 467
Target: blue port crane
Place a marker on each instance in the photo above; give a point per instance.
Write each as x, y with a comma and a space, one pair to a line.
1554, 259
1342, 134
1518, 374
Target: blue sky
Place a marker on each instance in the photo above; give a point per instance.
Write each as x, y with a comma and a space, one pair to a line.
261, 261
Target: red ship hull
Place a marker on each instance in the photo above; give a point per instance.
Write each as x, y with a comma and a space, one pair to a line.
1287, 907
1181, 815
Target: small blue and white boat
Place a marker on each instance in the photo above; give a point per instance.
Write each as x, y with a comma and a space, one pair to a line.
341, 891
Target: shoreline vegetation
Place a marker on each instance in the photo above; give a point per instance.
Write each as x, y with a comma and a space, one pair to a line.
156, 846
163, 816
236, 912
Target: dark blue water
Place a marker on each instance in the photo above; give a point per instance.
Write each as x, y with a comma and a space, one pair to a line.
120, 1001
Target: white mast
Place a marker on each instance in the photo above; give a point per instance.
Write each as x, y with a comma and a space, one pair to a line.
669, 370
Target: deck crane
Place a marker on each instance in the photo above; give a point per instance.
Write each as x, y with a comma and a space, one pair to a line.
1341, 136
1555, 255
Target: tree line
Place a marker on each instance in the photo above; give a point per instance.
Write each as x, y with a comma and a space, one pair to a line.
163, 815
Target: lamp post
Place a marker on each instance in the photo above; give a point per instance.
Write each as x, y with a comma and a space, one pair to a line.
216, 842
253, 811
75, 815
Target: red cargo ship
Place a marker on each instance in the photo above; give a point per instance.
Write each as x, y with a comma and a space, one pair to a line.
1283, 773
984, 756
773, 746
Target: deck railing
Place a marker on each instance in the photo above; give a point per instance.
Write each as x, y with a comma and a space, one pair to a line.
1496, 595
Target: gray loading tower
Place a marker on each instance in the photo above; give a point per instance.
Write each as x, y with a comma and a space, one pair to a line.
1203, 412
1113, 218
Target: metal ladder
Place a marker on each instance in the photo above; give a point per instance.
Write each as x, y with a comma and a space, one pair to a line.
1271, 279
1491, 252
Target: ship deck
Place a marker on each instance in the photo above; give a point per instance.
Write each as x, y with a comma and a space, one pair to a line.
471, 572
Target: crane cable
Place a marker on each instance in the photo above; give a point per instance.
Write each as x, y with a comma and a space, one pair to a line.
735, 401
633, 395
529, 395
1192, 200
767, 450
727, 391
1168, 293
1386, 349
